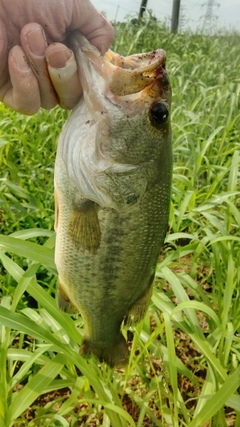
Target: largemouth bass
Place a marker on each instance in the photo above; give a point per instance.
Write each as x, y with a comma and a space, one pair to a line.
112, 193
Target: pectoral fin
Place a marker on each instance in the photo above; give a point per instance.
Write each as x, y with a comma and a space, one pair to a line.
84, 229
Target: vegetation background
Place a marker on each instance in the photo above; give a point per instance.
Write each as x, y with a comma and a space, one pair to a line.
184, 365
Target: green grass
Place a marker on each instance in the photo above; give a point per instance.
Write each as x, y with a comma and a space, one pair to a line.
184, 367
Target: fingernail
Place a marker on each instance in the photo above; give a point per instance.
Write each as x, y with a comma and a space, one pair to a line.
20, 58
58, 58
37, 42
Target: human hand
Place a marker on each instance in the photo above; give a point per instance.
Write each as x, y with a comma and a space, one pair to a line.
32, 50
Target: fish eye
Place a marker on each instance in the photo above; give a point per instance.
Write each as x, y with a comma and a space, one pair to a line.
158, 113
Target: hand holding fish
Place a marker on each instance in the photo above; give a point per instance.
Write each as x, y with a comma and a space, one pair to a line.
32, 52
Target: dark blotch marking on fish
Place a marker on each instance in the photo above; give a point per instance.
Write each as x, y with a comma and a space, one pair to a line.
84, 229
64, 302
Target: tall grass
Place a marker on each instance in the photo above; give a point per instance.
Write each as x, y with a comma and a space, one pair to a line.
184, 367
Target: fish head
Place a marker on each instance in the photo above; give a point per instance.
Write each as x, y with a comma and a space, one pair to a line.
121, 124
133, 83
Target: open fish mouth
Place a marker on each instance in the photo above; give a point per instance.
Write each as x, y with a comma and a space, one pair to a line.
133, 73
124, 75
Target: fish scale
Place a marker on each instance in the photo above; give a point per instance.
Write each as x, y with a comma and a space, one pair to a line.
112, 193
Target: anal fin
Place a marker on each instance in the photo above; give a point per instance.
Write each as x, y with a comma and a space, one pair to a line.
84, 229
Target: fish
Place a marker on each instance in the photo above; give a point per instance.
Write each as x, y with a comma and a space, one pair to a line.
112, 181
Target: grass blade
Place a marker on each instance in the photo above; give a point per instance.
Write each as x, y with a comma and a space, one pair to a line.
29, 250
217, 401
26, 396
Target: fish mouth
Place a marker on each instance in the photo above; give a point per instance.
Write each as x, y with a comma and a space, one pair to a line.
131, 74
122, 75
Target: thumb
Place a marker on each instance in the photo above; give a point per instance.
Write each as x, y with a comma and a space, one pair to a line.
93, 25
